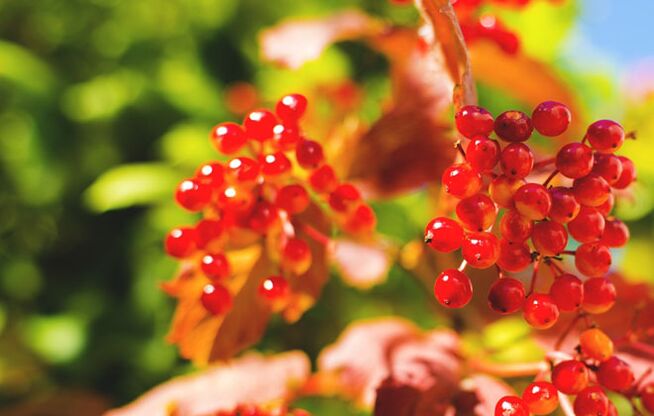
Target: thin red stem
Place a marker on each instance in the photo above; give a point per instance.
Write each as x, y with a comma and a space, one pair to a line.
534, 276
544, 163
549, 178
316, 235
569, 252
459, 147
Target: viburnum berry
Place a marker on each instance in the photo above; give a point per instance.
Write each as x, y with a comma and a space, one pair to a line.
235, 199
549, 238
193, 195
540, 311
212, 174
228, 138
567, 292
263, 217
513, 126
628, 174
361, 220
453, 288
480, 250
274, 289
616, 375
506, 295
275, 164
477, 212
461, 180
216, 299
292, 198
209, 232
593, 259
291, 107
608, 166
606, 208
181, 242
541, 397
285, 137
243, 170
591, 401
296, 256
309, 154
215, 266
595, 344
591, 190
514, 256
483, 153
599, 295
570, 376
588, 226
575, 160
616, 233
533, 201
259, 125
344, 197
647, 397
551, 118
511, 406
516, 160
444, 234
515, 228
474, 121
565, 207
605, 136
502, 189
323, 180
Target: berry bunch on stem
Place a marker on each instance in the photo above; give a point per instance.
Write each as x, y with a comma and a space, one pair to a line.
273, 175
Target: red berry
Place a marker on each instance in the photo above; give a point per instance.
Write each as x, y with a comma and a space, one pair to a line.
565, 207
461, 181
593, 259
591, 401
259, 124
344, 197
228, 137
291, 107
193, 195
480, 250
628, 175
243, 170
591, 190
483, 153
215, 266
647, 397
616, 233
285, 137
274, 289
309, 154
473, 121
209, 232
608, 166
453, 289
605, 136
588, 226
296, 256
599, 295
293, 199
574, 160
532, 201
511, 406
551, 118
606, 208
506, 295
567, 292
502, 189
615, 375
362, 220
444, 234
275, 164
517, 160
513, 126
181, 242
216, 299
263, 217
541, 397
540, 311
596, 345
549, 238
323, 180
234, 199
514, 257
570, 377
515, 228
477, 213
212, 174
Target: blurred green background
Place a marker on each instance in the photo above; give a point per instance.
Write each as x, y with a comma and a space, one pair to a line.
106, 104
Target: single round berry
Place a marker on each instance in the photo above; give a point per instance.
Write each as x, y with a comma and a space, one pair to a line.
216, 299
599, 295
444, 234
532, 201
608, 166
628, 175
606, 208
570, 376
506, 295
209, 232
596, 345
591, 190
605, 136
551, 118
502, 189
517, 160
515, 228
309, 154
477, 212
511, 406
453, 288
181, 242
616, 233
483, 153
513, 126
243, 171
362, 220
344, 197
565, 207
263, 217
323, 180
228, 138
235, 199
473, 121
540, 311
480, 250
293, 199
285, 137
259, 125
461, 180
193, 195
215, 266
211, 174
647, 397
296, 256
591, 401
275, 164
549, 238
593, 259
541, 397
514, 257
574, 160
274, 289
588, 226
291, 107
567, 291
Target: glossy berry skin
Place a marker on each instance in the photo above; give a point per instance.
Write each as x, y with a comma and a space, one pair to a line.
608, 166
541, 397
216, 299
593, 259
605, 136
444, 234
511, 406
575, 160
480, 250
647, 397
293, 198
570, 377
517, 160
502, 189
540, 311
193, 195
513, 126
606, 208
323, 180
296, 256
259, 125
483, 153
477, 212
591, 401
599, 295
344, 198
461, 181
596, 345
549, 238
506, 295
234, 199
362, 220
514, 257
215, 266
275, 164
628, 175
243, 171
453, 288
551, 118
274, 289
209, 232
211, 174
291, 107
309, 154
532, 201
616, 375
565, 207
515, 228
181, 242
591, 190
474, 121
285, 137
264, 217
567, 291
616, 233
588, 226
228, 138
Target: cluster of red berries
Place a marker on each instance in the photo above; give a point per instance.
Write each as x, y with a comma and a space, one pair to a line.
492, 177
261, 194
254, 410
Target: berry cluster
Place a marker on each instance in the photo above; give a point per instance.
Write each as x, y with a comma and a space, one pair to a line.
261, 194
254, 410
537, 219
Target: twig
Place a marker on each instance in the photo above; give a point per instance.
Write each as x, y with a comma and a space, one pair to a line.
544, 163
534, 276
549, 178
